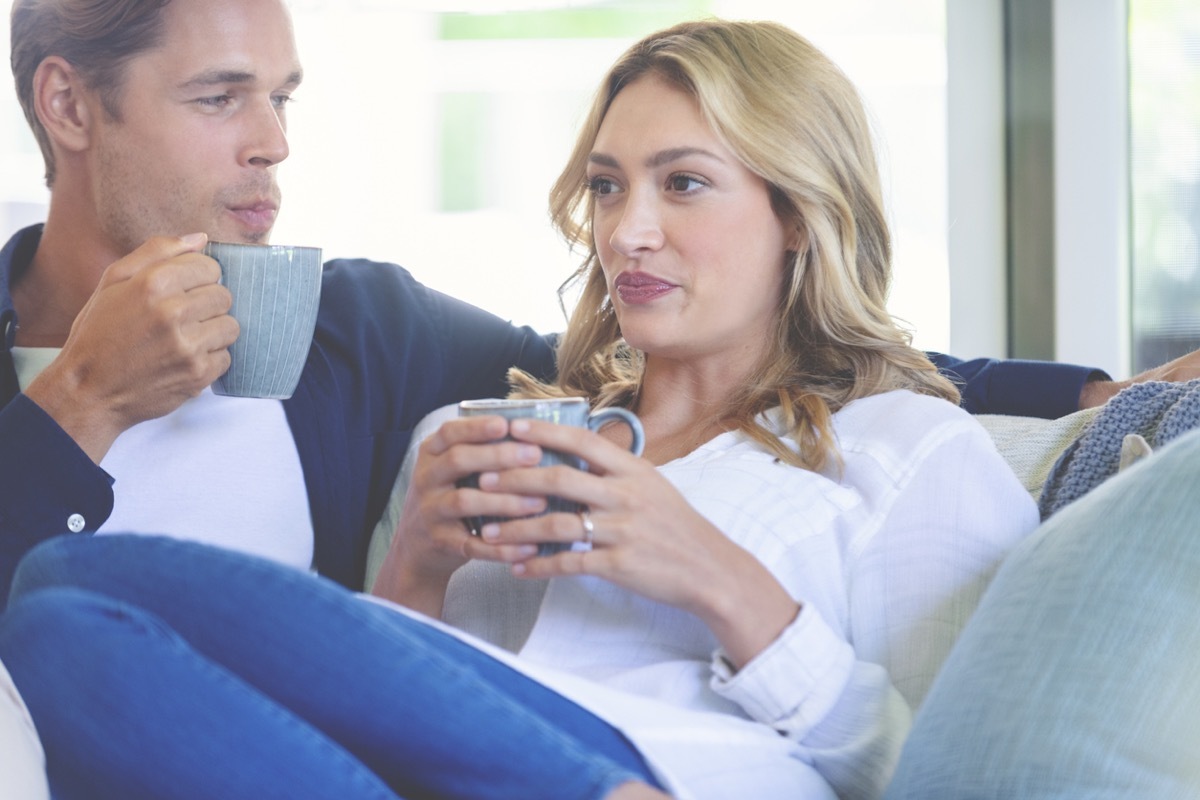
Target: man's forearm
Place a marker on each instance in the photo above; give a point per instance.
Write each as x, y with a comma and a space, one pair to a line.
1098, 392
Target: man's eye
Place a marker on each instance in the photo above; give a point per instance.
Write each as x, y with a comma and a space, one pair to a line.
216, 101
281, 100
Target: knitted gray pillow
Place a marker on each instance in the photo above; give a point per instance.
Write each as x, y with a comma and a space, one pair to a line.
1157, 411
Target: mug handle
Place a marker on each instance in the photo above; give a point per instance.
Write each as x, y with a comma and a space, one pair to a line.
598, 419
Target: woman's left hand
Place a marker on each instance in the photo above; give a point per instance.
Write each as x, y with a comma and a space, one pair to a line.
644, 536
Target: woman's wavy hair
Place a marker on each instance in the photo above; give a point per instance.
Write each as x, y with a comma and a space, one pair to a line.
793, 118
97, 37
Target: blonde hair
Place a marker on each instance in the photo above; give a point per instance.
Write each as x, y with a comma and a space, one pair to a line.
793, 118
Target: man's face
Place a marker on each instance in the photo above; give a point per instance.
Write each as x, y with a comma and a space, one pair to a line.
202, 127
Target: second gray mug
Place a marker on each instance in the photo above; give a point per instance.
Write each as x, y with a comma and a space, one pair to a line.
564, 411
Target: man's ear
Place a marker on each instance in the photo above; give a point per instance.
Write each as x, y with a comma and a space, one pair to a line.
62, 104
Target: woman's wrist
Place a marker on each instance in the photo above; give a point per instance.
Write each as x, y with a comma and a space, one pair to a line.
749, 613
398, 582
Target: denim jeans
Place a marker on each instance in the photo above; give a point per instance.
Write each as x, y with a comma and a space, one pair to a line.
160, 668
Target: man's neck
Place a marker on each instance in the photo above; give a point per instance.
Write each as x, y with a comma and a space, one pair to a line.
65, 270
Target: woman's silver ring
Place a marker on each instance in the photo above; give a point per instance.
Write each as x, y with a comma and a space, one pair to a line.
589, 529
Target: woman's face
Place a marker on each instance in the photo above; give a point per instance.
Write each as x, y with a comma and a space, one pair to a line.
691, 249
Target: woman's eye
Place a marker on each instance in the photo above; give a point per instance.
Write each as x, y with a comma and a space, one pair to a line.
601, 186
684, 183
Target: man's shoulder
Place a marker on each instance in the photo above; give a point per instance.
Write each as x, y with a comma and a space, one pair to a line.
360, 283
17, 253
363, 274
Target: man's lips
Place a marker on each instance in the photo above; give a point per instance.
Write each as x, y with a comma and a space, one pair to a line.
258, 216
634, 288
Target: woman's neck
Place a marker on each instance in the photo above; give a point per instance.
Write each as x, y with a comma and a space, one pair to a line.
682, 407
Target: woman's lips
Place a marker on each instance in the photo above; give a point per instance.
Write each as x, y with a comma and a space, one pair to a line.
635, 288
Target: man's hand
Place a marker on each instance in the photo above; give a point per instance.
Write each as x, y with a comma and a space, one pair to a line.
1184, 368
155, 333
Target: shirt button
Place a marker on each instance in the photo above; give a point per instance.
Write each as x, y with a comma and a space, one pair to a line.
75, 523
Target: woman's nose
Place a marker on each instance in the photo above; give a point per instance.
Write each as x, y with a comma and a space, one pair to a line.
639, 226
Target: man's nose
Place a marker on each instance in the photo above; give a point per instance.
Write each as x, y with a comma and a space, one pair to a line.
266, 142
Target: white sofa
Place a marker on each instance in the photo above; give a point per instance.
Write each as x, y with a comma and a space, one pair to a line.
1031, 447
22, 763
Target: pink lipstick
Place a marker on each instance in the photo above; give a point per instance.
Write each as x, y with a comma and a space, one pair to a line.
636, 288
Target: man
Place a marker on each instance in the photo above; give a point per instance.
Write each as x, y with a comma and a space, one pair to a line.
161, 124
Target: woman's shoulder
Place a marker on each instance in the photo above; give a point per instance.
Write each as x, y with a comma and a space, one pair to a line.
899, 429
894, 431
901, 417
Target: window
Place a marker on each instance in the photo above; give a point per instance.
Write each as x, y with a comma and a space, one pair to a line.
431, 138
1164, 70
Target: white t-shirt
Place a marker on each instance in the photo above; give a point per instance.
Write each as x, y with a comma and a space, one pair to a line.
220, 470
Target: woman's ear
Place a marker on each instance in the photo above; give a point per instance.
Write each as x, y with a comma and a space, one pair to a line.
62, 104
798, 241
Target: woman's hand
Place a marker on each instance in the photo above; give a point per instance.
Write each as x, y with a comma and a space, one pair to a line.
432, 539
644, 536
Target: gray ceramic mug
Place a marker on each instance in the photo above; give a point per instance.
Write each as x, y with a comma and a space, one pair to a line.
564, 411
276, 291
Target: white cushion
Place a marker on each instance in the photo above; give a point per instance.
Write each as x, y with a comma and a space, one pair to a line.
1031, 445
22, 762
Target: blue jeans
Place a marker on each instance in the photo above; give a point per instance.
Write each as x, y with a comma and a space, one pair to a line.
160, 668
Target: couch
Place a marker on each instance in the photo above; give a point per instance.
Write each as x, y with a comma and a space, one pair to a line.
21, 758
944, 733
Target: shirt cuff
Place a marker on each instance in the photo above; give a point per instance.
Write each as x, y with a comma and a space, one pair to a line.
48, 484
795, 681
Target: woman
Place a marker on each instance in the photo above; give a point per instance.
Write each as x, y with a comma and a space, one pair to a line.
806, 485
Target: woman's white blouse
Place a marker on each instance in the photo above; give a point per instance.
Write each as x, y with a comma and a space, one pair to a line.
887, 553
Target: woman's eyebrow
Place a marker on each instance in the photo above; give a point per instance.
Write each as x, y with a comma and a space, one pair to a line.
602, 160
658, 159
675, 153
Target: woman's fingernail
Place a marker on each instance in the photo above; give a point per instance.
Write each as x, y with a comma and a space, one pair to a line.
488, 480
519, 426
529, 453
490, 531
531, 504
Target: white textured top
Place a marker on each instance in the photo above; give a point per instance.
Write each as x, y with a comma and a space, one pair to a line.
888, 560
